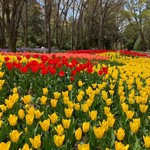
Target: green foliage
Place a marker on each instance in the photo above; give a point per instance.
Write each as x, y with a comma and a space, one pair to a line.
137, 44
130, 36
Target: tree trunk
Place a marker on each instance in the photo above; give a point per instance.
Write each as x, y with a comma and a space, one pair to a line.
2, 36
144, 47
26, 40
12, 40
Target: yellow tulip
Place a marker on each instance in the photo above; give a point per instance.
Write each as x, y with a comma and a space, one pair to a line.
9, 103
68, 112
1, 122
3, 108
146, 141
58, 140
120, 146
53, 102
26, 130
86, 127
43, 100
26, 99
77, 106
36, 142
59, 129
1, 114
53, 117
85, 107
125, 107
93, 114
14, 90
66, 100
99, 132
38, 114
31, 110
135, 125
45, 124
70, 87
104, 95
25, 147
65, 94
143, 108
106, 110
94, 85
79, 97
111, 121
45, 91
12, 120
104, 124
70, 104
29, 119
108, 101
80, 83
2, 82
5, 146
66, 123
83, 147
14, 136
120, 134
111, 92
21, 113
129, 114
1, 74
78, 134
57, 95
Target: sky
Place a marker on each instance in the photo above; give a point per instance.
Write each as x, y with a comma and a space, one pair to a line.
40, 2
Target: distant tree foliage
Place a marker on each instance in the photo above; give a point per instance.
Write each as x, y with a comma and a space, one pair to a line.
75, 24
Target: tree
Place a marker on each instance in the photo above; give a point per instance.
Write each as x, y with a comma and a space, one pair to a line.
12, 10
136, 12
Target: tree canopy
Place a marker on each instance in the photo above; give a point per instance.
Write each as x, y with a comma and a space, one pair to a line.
72, 24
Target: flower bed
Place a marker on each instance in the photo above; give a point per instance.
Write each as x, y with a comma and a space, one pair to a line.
74, 101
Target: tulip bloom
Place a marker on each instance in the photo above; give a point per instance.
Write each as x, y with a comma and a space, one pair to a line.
99, 131
14, 136
68, 112
12, 120
146, 141
26, 99
45, 124
36, 142
38, 114
120, 134
43, 100
29, 119
83, 147
143, 108
93, 114
66, 123
120, 146
135, 125
70, 87
53, 102
21, 114
53, 117
59, 129
57, 95
85, 126
5, 146
78, 134
58, 140
25, 147
45, 91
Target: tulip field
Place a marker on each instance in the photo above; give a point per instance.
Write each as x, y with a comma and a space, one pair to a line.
78, 100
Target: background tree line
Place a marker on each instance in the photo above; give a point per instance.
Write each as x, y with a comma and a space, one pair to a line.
75, 24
